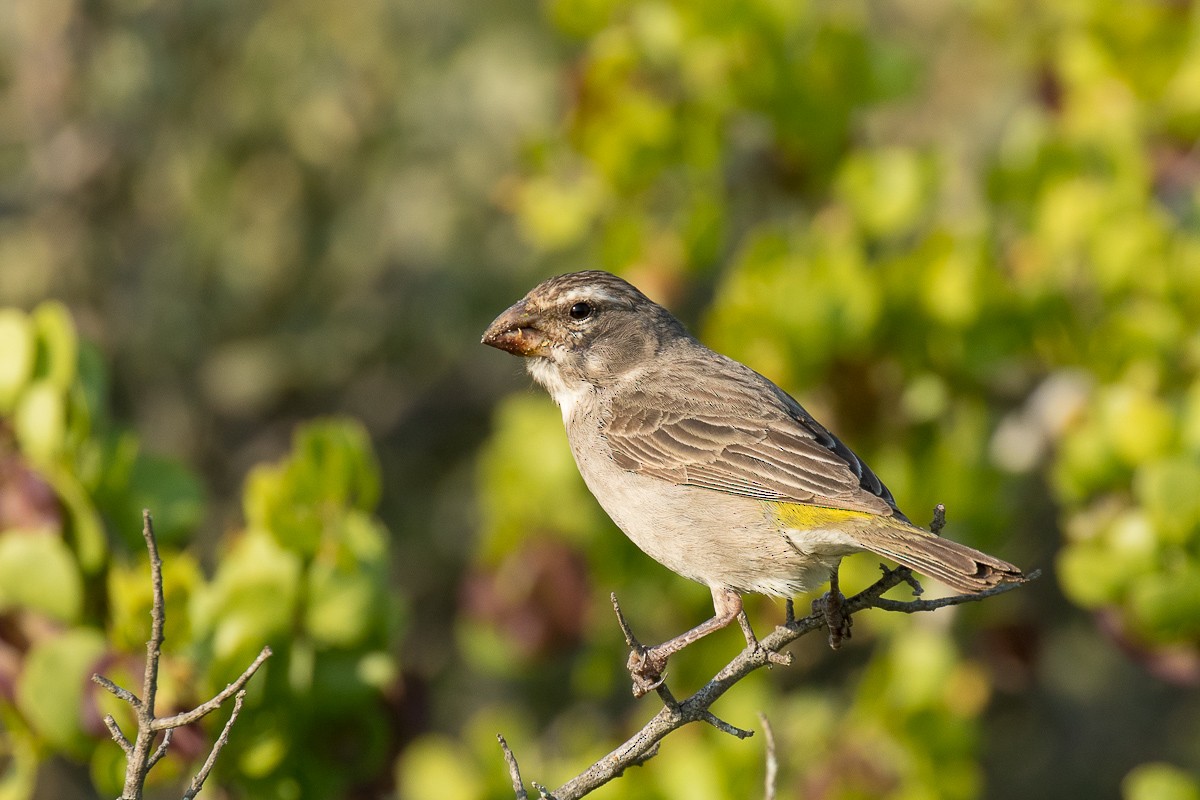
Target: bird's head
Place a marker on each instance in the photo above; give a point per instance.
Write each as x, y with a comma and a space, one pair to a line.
583, 328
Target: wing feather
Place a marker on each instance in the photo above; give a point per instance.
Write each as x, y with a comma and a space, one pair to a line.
734, 431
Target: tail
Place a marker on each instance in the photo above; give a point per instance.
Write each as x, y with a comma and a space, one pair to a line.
956, 565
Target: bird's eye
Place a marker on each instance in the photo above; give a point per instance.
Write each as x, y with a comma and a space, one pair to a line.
581, 311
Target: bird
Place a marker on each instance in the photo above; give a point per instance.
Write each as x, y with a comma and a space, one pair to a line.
706, 465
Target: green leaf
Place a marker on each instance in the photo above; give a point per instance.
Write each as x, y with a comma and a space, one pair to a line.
1138, 423
1170, 491
18, 776
334, 457
437, 766
332, 469
85, 530
1158, 781
51, 687
342, 605
1165, 606
38, 572
1091, 575
107, 770
172, 492
252, 598
18, 348
130, 600
884, 188
58, 354
529, 480
40, 422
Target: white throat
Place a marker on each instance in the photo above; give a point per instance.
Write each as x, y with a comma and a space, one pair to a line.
566, 393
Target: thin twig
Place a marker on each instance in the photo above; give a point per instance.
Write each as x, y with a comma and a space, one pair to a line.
639, 747
121, 693
630, 640
204, 709
939, 519
138, 756
912, 581
723, 726
158, 617
198, 782
772, 761
913, 606
157, 755
514, 772
115, 731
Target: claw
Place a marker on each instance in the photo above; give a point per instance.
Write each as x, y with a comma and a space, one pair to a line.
646, 668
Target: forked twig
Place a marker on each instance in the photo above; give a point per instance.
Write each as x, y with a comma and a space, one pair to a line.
676, 713
140, 754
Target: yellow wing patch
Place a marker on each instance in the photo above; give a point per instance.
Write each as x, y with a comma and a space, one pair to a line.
804, 517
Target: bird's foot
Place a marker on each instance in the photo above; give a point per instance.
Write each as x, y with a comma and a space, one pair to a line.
832, 606
646, 667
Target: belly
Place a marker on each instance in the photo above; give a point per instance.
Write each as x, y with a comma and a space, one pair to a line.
715, 538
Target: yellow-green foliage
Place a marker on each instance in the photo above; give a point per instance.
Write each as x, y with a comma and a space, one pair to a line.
978, 292
308, 576
965, 235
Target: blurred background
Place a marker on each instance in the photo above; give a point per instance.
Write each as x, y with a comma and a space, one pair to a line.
246, 254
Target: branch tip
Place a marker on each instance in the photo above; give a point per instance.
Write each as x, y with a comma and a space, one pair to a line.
122, 694
723, 726
514, 772
939, 519
204, 709
912, 581
118, 736
630, 639
644, 744
157, 755
140, 754
198, 782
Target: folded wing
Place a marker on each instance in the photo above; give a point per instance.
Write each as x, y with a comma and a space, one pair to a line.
734, 431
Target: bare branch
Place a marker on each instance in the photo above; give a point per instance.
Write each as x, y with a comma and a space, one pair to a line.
115, 731
630, 639
157, 755
772, 762
643, 744
198, 782
912, 581
158, 616
123, 694
723, 726
139, 758
514, 772
913, 606
199, 712
939, 519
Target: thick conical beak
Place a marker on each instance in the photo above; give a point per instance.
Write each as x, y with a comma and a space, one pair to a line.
516, 331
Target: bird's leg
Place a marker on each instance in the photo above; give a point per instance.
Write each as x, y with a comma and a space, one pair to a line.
831, 606
646, 665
